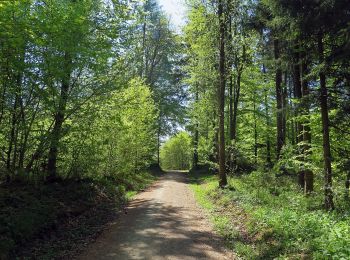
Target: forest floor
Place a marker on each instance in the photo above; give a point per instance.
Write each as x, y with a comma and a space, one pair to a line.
58, 220
164, 222
262, 216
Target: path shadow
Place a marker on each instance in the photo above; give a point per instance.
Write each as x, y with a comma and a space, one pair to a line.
154, 230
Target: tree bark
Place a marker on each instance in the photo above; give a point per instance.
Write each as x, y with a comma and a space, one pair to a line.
195, 151
306, 148
284, 106
255, 132
221, 97
231, 96
158, 143
279, 99
196, 137
12, 138
214, 157
142, 73
237, 91
291, 126
268, 124
231, 108
59, 118
328, 203
231, 125
299, 128
2, 100
347, 184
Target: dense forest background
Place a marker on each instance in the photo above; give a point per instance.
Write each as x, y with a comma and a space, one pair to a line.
98, 91
280, 99
269, 112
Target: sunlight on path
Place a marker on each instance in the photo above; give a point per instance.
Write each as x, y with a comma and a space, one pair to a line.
162, 223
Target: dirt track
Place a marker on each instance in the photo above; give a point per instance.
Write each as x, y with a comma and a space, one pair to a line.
163, 222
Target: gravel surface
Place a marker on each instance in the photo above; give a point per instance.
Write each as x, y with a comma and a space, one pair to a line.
164, 222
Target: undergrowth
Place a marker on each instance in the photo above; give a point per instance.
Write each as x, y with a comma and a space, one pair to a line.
68, 210
267, 217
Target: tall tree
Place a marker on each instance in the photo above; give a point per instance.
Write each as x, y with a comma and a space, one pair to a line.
279, 97
221, 94
325, 127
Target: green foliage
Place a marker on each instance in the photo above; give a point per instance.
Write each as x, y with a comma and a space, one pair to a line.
155, 53
176, 153
116, 137
54, 57
64, 68
281, 222
276, 54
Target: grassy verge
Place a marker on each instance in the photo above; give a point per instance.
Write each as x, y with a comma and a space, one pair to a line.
56, 220
264, 217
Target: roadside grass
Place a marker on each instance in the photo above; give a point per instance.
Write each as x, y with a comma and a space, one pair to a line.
53, 221
264, 217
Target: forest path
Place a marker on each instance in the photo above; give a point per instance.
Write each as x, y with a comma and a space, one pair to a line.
164, 222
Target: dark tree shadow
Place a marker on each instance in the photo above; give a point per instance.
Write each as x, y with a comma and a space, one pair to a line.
151, 229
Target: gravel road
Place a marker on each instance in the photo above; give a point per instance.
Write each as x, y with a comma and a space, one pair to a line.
164, 222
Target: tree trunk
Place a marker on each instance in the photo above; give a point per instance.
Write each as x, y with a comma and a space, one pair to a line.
12, 137
233, 121
255, 132
231, 108
267, 116
329, 205
195, 151
27, 130
291, 129
142, 73
308, 175
347, 184
2, 101
230, 63
158, 144
214, 157
284, 106
221, 97
297, 94
231, 126
59, 118
290, 112
279, 99
237, 92
231, 96
196, 137
299, 128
